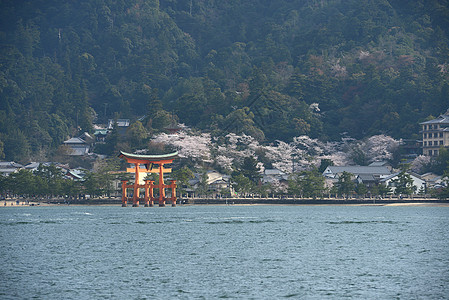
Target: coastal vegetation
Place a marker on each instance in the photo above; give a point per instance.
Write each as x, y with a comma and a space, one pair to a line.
244, 160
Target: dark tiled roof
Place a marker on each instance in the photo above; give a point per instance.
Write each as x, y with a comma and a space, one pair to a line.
152, 157
75, 141
10, 165
381, 170
367, 177
443, 119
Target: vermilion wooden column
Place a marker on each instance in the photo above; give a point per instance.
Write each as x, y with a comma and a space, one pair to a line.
147, 193
124, 194
161, 185
151, 193
173, 192
136, 186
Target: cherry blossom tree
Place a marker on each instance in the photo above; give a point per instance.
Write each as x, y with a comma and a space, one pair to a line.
189, 145
419, 163
379, 147
234, 149
281, 156
303, 153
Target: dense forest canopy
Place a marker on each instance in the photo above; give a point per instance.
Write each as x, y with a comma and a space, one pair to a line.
272, 69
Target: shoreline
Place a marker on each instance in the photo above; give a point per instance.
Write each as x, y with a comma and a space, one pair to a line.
237, 202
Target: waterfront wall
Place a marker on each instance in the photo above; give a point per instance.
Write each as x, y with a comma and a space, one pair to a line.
241, 201
304, 201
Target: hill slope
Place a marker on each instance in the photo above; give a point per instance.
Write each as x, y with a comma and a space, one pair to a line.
272, 69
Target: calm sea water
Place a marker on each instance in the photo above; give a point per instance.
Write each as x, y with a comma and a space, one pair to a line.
236, 252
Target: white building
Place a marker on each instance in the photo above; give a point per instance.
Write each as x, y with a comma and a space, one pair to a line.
419, 183
274, 175
122, 125
77, 146
8, 167
376, 172
215, 181
435, 134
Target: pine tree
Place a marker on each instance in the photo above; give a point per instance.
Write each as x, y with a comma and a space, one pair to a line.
404, 182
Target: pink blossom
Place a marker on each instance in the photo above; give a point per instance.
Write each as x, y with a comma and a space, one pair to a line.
419, 163
189, 145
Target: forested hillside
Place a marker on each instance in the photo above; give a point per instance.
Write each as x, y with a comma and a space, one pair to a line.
272, 69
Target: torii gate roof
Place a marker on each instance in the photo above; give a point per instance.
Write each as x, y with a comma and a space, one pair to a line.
150, 157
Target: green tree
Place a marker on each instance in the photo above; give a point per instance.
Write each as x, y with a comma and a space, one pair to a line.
381, 190
3, 185
443, 193
104, 176
263, 190
258, 82
242, 121
359, 157
42, 188
441, 162
324, 164
308, 184
191, 108
2, 154
16, 146
136, 135
182, 177
161, 119
361, 189
345, 184
404, 183
22, 183
241, 184
112, 140
92, 185
51, 180
203, 185
154, 103
250, 169
71, 188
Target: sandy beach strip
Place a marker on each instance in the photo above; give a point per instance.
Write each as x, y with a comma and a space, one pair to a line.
14, 203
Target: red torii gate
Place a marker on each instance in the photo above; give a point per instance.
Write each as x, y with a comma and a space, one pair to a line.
148, 161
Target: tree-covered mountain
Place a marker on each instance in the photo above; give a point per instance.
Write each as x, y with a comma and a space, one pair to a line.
272, 69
